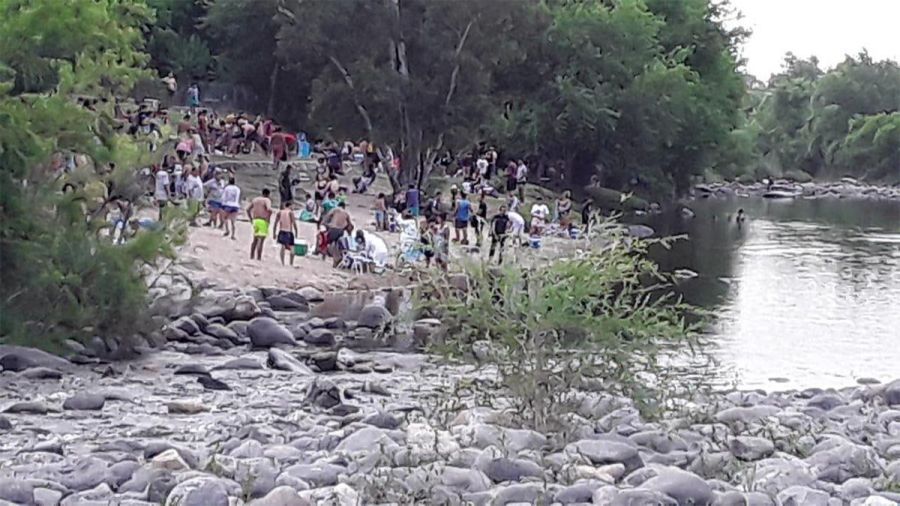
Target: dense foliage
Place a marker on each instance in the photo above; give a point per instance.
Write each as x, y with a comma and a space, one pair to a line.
638, 92
596, 320
61, 275
843, 122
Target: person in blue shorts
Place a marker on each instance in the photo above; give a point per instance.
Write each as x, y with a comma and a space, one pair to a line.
461, 219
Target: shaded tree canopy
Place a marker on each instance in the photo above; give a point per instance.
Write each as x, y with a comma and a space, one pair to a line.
645, 95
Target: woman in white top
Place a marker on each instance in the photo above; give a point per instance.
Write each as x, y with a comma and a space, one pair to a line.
231, 204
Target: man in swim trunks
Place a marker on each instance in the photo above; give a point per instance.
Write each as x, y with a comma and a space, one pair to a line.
259, 212
285, 229
336, 222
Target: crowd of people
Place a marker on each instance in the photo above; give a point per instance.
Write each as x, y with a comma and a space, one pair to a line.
428, 225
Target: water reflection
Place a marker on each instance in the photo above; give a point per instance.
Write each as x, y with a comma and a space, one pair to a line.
805, 293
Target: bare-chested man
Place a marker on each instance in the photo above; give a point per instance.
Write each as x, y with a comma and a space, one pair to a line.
259, 212
285, 229
336, 222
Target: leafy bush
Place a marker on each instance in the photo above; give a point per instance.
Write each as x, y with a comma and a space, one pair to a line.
601, 320
60, 275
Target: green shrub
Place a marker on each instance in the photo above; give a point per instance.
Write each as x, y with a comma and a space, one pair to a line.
600, 320
60, 275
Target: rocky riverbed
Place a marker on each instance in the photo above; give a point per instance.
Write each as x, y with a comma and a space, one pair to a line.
846, 188
250, 399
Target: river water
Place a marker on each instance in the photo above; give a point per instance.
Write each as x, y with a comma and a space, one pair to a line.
805, 293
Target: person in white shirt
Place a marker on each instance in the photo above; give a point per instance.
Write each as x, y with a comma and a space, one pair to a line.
231, 205
482, 166
539, 214
193, 187
162, 190
521, 179
516, 226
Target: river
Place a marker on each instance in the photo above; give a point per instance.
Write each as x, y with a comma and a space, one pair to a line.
805, 293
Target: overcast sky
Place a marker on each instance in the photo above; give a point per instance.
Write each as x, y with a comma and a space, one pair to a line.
828, 29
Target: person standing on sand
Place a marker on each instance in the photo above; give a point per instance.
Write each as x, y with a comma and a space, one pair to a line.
260, 212
231, 204
499, 231
162, 190
285, 230
285, 186
194, 189
463, 215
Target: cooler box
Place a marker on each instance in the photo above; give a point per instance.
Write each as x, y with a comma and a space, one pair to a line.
301, 248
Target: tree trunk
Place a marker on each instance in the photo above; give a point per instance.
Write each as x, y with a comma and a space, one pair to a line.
348, 79
273, 85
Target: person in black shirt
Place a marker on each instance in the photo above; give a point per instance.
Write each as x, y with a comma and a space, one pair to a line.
479, 219
499, 231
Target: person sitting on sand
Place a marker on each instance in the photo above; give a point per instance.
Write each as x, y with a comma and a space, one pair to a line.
260, 212
285, 230
330, 203
308, 214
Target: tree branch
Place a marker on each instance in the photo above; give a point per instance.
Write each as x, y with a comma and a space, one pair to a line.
455, 74
359, 107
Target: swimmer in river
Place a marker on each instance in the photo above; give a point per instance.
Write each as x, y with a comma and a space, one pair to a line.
740, 216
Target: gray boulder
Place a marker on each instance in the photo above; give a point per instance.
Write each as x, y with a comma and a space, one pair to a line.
802, 496
285, 303
41, 373
684, 487
468, 480
220, 331
281, 496
265, 332
317, 475
382, 420
32, 407
19, 358
199, 491
320, 337
16, 491
5, 424
751, 448
891, 393
284, 361
746, 415
600, 452
311, 294
85, 401
374, 316
323, 393
503, 469
775, 474
187, 325
844, 460
257, 476
241, 363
